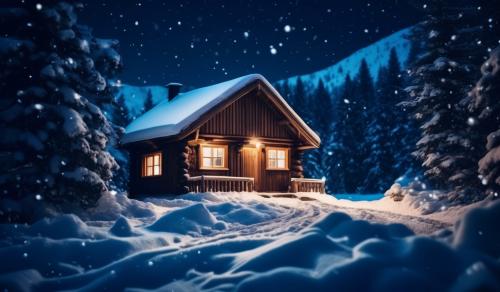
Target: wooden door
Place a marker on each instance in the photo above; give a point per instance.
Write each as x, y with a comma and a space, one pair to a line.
250, 165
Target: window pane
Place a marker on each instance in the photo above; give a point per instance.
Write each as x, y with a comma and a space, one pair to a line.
149, 171
207, 162
157, 159
218, 161
281, 163
272, 153
220, 152
281, 154
207, 152
272, 163
156, 170
149, 161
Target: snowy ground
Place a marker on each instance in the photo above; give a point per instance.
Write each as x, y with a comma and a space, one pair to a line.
251, 242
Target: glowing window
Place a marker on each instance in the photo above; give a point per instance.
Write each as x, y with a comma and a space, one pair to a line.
213, 156
151, 164
277, 158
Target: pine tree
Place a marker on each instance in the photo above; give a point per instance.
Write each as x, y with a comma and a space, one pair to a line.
387, 129
300, 101
347, 128
122, 115
363, 109
485, 104
53, 138
148, 102
442, 76
287, 94
318, 161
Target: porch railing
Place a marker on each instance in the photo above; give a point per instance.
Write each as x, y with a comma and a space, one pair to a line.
307, 185
216, 183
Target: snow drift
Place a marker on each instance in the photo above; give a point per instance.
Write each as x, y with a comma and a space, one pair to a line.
244, 242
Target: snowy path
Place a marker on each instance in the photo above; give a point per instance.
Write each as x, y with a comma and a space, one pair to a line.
318, 207
245, 242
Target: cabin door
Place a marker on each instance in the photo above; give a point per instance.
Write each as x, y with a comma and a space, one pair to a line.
250, 166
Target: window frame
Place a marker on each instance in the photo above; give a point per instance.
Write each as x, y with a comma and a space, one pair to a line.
224, 157
144, 165
287, 153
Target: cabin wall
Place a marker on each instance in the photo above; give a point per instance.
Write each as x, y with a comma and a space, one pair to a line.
169, 182
241, 163
250, 116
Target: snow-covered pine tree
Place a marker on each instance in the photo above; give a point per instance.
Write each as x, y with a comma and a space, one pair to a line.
485, 104
148, 102
52, 138
441, 77
318, 161
108, 62
363, 109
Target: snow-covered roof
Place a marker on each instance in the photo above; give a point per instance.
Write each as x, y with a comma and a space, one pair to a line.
170, 118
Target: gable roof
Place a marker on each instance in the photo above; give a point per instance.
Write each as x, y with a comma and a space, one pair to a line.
179, 116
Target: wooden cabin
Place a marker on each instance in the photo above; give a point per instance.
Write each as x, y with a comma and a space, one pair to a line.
239, 135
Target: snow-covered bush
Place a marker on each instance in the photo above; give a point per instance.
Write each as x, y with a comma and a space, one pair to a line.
53, 135
395, 192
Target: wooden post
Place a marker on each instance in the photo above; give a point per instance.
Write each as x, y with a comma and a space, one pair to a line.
297, 169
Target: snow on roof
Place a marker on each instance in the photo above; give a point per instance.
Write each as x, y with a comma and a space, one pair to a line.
170, 118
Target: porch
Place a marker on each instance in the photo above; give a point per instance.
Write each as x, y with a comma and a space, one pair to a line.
216, 183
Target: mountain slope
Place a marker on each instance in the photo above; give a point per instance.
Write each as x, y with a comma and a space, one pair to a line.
376, 55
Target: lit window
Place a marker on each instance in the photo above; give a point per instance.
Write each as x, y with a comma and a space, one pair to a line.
151, 164
213, 156
277, 158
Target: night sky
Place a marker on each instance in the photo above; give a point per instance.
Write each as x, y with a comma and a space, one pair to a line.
202, 42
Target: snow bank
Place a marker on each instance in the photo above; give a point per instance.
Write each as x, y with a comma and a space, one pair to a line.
245, 242
192, 219
111, 206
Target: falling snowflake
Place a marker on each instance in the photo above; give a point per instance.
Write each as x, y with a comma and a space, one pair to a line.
39, 6
246, 34
471, 121
136, 23
273, 51
346, 101
150, 263
39, 106
287, 28
38, 197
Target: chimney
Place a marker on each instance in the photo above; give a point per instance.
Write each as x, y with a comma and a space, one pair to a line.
173, 90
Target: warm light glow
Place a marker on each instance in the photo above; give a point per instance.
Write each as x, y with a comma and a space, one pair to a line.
213, 156
277, 158
151, 164
256, 143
